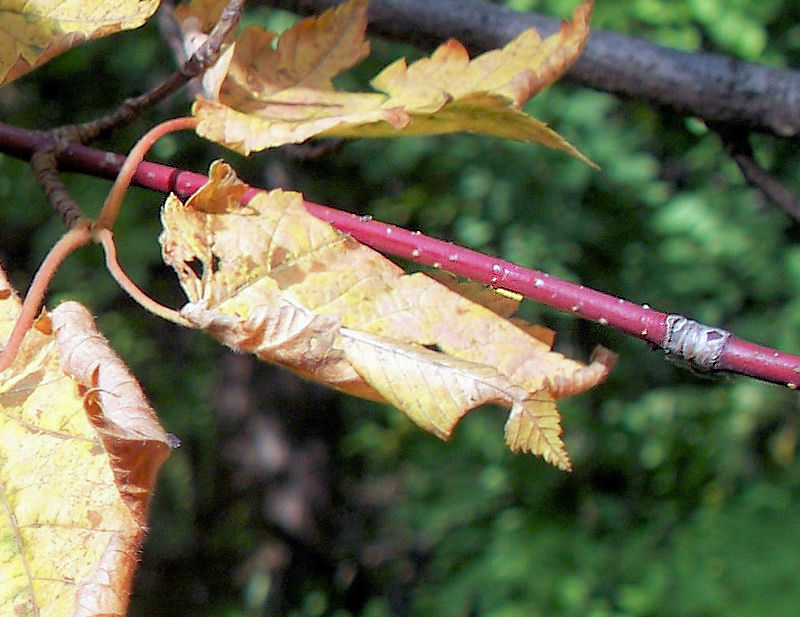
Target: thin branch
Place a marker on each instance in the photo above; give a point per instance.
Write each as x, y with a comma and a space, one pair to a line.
45, 169
201, 59
672, 333
716, 88
738, 147
170, 32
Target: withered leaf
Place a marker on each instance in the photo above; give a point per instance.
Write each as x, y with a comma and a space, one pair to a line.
277, 282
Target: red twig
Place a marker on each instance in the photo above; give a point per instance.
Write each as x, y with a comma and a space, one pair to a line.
655, 327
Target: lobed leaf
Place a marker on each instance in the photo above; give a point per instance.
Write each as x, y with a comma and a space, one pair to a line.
263, 97
31, 33
79, 452
270, 279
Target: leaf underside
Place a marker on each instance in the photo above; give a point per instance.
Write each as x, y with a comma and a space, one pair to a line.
286, 286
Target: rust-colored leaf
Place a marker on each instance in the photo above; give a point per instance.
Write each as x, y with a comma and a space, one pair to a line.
267, 97
279, 283
31, 33
79, 452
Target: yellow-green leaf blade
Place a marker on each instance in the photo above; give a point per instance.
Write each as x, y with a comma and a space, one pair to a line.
479, 113
291, 116
253, 108
516, 72
79, 450
436, 390
33, 32
535, 426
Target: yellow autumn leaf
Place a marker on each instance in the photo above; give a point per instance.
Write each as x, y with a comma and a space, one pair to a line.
497, 300
270, 279
79, 452
35, 31
264, 97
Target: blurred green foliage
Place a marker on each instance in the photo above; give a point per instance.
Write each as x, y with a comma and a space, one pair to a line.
684, 497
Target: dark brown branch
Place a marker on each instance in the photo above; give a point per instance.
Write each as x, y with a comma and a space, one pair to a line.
170, 32
716, 88
44, 163
201, 59
738, 147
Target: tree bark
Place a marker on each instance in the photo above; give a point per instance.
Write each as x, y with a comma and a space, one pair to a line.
715, 88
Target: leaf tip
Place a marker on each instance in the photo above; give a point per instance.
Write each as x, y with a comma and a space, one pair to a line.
535, 426
586, 377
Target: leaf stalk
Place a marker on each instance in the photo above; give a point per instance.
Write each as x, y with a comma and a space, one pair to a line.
105, 238
78, 236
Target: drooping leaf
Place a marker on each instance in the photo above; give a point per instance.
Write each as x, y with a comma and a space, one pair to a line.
79, 452
33, 32
271, 279
267, 97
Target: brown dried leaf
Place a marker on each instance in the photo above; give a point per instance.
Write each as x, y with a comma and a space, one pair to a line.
286, 286
79, 452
